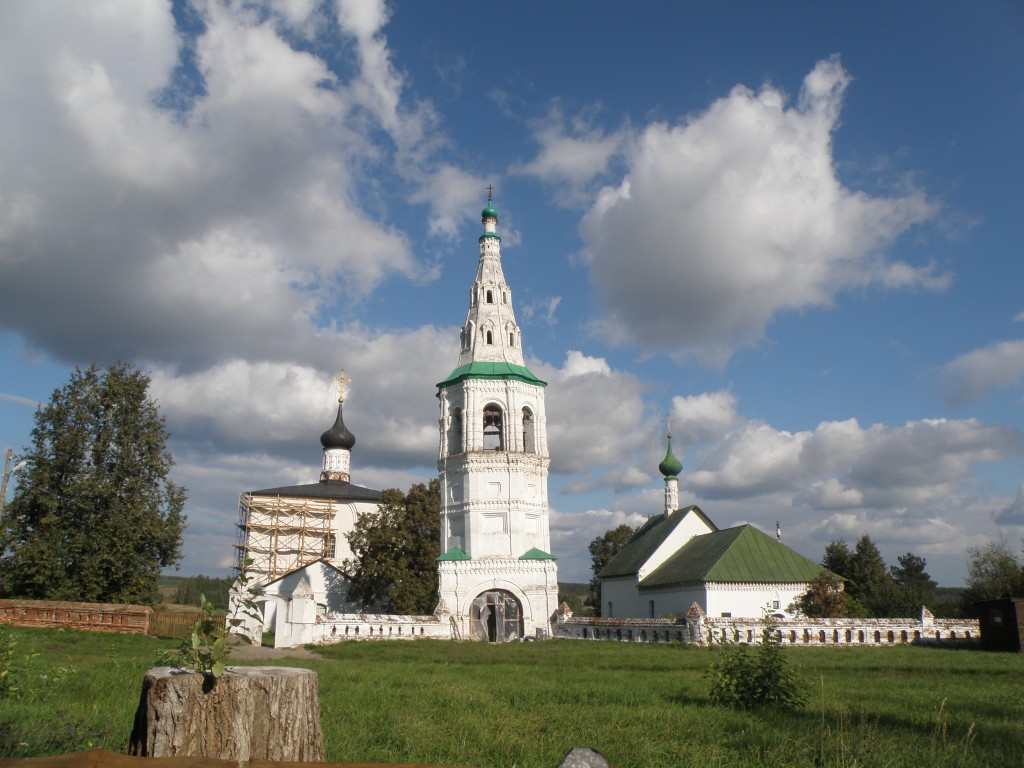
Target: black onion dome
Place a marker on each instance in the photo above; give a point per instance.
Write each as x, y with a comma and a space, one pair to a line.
338, 436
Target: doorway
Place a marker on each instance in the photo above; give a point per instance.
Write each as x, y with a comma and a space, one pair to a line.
496, 616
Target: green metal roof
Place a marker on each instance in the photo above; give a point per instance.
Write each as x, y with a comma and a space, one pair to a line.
741, 554
645, 542
536, 554
454, 554
481, 370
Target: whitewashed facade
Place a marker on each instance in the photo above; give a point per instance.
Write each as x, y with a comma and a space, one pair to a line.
497, 578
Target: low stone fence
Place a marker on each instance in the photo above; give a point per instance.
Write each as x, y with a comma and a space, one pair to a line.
334, 628
698, 629
95, 617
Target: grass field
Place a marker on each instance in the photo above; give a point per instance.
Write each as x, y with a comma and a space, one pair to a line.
525, 704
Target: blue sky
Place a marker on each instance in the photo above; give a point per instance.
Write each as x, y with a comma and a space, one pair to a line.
793, 227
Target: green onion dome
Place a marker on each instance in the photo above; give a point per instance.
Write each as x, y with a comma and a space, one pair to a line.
670, 466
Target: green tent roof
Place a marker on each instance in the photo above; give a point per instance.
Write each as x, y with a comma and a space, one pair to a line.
536, 554
454, 554
480, 370
741, 554
645, 542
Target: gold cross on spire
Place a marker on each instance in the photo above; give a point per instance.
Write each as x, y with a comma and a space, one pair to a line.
668, 425
340, 381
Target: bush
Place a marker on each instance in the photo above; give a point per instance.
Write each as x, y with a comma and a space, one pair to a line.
744, 680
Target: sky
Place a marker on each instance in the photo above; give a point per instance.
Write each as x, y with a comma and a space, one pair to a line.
794, 229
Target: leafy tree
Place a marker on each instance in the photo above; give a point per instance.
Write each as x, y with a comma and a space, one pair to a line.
395, 551
916, 587
825, 598
875, 588
94, 517
838, 558
602, 550
870, 588
993, 571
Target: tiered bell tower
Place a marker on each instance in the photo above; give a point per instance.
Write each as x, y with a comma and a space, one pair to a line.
497, 577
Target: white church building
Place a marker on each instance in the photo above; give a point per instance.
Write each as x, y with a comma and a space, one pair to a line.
296, 532
680, 558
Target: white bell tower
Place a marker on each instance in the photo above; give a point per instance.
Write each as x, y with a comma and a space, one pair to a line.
497, 577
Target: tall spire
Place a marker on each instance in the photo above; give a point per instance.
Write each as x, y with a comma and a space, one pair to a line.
490, 334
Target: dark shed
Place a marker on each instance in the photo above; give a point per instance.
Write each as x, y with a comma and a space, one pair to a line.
1002, 623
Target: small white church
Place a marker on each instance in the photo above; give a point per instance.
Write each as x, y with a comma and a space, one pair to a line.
681, 558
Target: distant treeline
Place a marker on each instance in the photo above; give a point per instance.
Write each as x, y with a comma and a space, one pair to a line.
188, 589
575, 595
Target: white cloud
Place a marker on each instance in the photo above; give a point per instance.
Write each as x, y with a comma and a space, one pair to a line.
596, 418
573, 153
980, 372
543, 308
735, 215
222, 225
1013, 514
840, 463
579, 364
242, 406
453, 196
701, 418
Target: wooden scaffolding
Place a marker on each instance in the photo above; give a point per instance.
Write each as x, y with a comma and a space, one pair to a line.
278, 534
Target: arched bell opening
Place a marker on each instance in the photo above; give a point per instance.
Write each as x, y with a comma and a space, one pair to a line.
493, 432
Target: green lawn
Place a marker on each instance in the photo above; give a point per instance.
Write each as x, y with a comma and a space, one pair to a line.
525, 704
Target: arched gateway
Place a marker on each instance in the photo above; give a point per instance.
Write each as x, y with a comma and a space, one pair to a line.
496, 616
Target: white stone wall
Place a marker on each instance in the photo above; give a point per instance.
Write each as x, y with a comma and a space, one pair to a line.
534, 583
701, 630
327, 630
493, 503
624, 596
750, 600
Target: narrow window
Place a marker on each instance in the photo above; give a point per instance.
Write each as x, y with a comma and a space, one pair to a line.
490, 339
504, 297
492, 428
490, 297
651, 606
455, 433
511, 339
610, 614
529, 436
330, 546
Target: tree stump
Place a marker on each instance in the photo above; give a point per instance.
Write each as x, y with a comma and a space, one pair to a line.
266, 713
